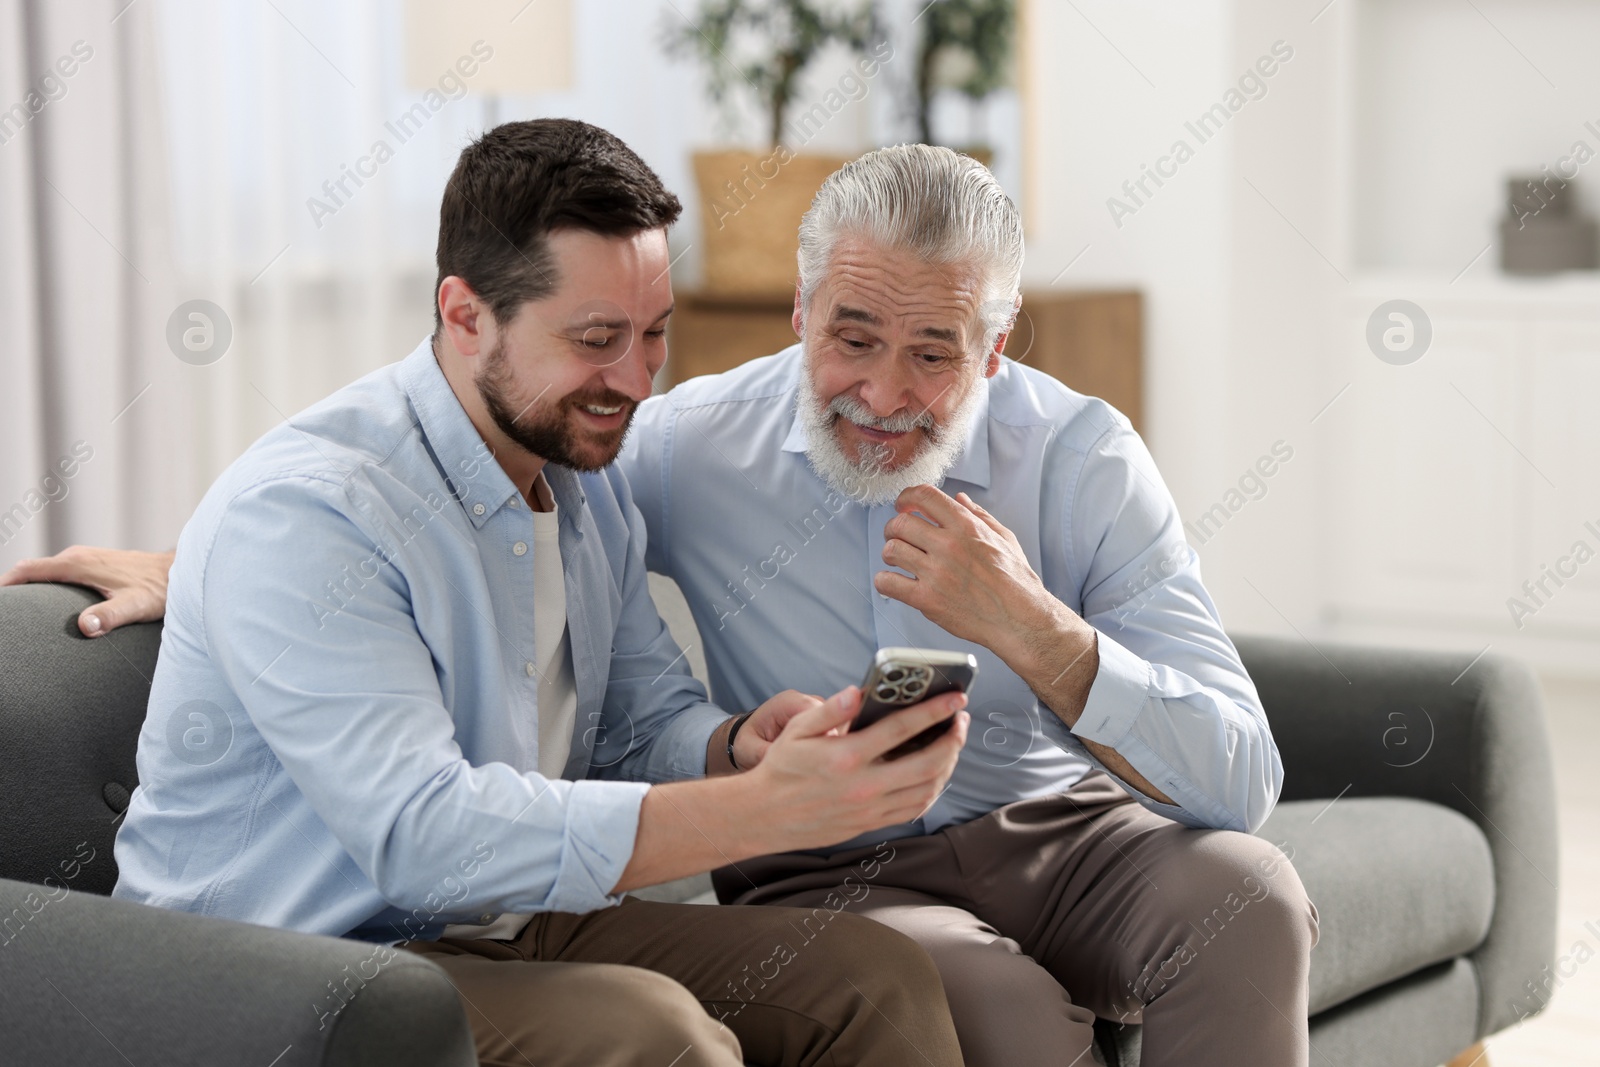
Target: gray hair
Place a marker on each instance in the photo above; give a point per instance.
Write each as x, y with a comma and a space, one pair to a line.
935, 203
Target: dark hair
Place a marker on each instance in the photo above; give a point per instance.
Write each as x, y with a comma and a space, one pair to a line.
520, 182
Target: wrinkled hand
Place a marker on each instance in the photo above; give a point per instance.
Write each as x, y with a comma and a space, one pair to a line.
971, 576
133, 583
766, 723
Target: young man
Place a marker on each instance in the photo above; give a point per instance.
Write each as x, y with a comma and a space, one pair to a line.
412, 687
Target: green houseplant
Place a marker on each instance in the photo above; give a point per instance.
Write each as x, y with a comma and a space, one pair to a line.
963, 45
763, 46
751, 202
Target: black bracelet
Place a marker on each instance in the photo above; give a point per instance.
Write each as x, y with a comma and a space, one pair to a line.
740, 721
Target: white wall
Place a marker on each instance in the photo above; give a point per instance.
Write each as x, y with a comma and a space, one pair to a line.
1373, 167
1286, 262
1449, 101
1233, 294
1114, 82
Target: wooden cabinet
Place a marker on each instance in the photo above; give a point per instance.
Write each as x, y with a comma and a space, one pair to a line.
711, 334
1092, 341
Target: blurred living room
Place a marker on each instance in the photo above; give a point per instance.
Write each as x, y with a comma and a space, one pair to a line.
1336, 262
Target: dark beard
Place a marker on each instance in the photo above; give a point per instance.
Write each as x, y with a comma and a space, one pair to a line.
546, 432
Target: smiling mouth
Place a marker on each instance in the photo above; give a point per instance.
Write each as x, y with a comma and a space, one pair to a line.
597, 409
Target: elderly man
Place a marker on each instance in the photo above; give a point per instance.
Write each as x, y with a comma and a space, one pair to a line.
1091, 855
1092, 852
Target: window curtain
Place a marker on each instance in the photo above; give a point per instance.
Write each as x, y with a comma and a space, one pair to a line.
95, 410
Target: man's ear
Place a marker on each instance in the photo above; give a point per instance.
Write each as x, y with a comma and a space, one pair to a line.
799, 319
463, 317
994, 357
1001, 338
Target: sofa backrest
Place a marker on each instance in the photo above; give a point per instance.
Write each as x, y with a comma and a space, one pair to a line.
70, 712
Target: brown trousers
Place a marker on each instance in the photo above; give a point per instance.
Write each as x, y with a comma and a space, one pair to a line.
1046, 913
682, 985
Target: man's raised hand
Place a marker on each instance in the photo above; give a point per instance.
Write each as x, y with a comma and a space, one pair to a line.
969, 574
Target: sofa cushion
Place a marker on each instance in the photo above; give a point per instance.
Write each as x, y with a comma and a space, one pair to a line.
91, 981
1399, 884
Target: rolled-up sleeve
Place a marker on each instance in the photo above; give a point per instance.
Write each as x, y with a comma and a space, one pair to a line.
350, 705
1170, 695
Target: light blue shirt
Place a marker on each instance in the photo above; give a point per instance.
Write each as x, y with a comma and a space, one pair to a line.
342, 734
777, 569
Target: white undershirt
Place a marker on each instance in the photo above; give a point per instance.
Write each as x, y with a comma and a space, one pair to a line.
557, 709
558, 692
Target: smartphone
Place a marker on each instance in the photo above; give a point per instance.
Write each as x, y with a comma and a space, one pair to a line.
900, 677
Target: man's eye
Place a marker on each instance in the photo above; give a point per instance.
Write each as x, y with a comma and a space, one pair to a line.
932, 359
592, 340
655, 333
854, 344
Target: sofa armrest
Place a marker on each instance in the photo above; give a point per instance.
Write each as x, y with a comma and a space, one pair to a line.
91, 980
70, 713
1353, 721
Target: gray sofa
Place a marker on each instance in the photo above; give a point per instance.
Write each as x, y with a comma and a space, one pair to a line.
85, 980
1419, 808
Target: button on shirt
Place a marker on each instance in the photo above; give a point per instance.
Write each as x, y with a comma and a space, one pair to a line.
558, 695
777, 569
342, 737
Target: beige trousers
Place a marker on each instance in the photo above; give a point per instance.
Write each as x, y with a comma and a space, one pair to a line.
682, 985
1046, 913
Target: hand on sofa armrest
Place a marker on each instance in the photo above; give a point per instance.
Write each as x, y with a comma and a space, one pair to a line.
134, 584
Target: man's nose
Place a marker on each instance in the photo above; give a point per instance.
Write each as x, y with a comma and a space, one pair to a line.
631, 375
885, 392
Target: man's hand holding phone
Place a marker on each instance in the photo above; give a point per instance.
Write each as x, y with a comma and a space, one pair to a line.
826, 783
766, 723
897, 678
819, 778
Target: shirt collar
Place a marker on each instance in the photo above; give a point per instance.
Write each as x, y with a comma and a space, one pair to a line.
971, 466
478, 483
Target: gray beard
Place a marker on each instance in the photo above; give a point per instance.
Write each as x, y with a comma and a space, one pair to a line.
869, 480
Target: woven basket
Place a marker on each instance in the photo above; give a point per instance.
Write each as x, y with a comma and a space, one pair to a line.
750, 209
